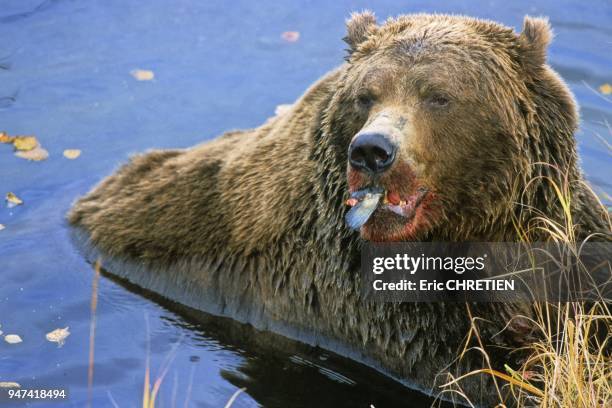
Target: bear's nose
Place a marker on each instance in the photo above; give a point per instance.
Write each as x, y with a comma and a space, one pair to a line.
372, 152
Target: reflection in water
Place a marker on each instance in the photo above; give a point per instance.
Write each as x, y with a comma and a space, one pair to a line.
279, 372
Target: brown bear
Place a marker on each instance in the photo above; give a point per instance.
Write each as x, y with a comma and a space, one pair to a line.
458, 122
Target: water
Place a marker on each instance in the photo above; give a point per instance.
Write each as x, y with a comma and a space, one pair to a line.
65, 77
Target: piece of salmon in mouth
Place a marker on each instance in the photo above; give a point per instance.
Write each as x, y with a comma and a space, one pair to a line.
364, 202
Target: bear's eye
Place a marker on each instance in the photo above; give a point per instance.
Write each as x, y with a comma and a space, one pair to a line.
365, 100
438, 101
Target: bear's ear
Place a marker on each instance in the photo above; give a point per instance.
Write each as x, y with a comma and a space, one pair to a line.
359, 26
534, 41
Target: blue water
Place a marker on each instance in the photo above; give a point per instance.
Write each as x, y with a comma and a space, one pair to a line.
65, 77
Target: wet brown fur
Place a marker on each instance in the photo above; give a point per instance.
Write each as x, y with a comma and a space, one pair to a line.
251, 225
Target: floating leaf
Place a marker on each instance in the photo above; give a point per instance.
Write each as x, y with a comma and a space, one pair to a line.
143, 74
12, 339
27, 147
72, 153
5, 138
13, 200
290, 36
9, 384
1, 228
36, 154
58, 336
605, 89
25, 143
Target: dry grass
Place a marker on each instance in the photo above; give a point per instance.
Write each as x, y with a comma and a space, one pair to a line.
92, 331
570, 365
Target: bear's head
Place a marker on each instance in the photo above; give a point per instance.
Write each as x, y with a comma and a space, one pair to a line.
443, 121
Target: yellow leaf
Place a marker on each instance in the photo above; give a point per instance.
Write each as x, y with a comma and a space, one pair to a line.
36, 154
72, 153
25, 143
9, 384
605, 89
12, 339
58, 336
5, 138
13, 200
143, 74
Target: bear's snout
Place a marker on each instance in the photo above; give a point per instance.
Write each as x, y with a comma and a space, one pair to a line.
372, 152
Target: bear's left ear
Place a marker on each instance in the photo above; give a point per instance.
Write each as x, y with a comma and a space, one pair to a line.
534, 41
359, 26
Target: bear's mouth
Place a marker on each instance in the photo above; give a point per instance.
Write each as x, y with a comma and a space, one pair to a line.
364, 202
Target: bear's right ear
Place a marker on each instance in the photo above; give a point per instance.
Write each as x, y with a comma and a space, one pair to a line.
359, 26
534, 41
